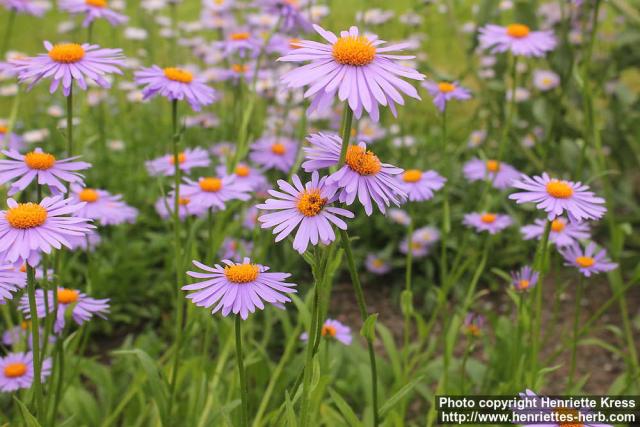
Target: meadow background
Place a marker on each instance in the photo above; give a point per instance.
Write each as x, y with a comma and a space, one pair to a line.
118, 371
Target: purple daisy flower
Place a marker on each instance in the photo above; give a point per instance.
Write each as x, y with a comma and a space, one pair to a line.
524, 279
235, 249
419, 185
10, 140
399, 216
545, 80
93, 9
293, 19
588, 262
42, 166
473, 324
376, 264
16, 371
516, 38
418, 248
66, 62
356, 68
213, 192
274, 153
164, 207
21, 333
362, 175
557, 196
426, 235
499, 173
188, 159
245, 174
175, 84
238, 288
102, 206
444, 92
241, 42
11, 280
27, 229
562, 232
553, 409
491, 222
333, 330
306, 206
83, 307
28, 7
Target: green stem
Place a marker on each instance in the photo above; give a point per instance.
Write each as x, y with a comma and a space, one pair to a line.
244, 394
7, 34
574, 341
347, 120
59, 347
407, 298
511, 108
312, 337
70, 122
446, 221
35, 338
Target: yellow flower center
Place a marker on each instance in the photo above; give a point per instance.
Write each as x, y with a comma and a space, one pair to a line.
66, 53
585, 261
278, 148
473, 330
446, 87
241, 273
518, 31
184, 201
574, 415
23, 268
328, 330
24, 325
67, 296
488, 218
243, 170
294, 43
14, 370
559, 189
96, 3
378, 263
240, 36
352, 50
88, 195
523, 284
3, 129
239, 68
311, 203
412, 175
178, 75
557, 225
493, 165
218, 2
40, 161
181, 159
362, 161
26, 215
210, 184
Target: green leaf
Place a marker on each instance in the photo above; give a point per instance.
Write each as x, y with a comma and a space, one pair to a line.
368, 330
399, 395
345, 409
406, 302
29, 419
289, 411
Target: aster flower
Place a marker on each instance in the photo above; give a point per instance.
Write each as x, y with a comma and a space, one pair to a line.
274, 153
235, 249
476, 138
82, 307
355, 67
305, 207
102, 206
213, 192
473, 324
588, 261
516, 38
11, 280
27, 229
16, 371
426, 235
10, 140
240, 42
562, 233
21, 333
557, 196
524, 279
66, 62
92, 10
552, 409
363, 174
188, 159
175, 84
333, 330
418, 249
42, 166
420, 186
290, 12
399, 216
376, 264
491, 222
245, 174
545, 80
164, 207
238, 288
369, 131
499, 173
28, 7
444, 92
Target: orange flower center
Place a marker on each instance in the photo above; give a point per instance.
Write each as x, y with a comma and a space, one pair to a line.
40, 161
354, 50
67, 296
559, 189
569, 414
328, 330
24, 325
557, 225
412, 175
241, 273
294, 43
362, 161
518, 31
243, 170
88, 195
473, 330
585, 261
523, 284
3, 129
240, 36
66, 53
26, 215
96, 3
239, 68
184, 201
446, 87
178, 75
488, 218
493, 165
14, 370
377, 263
181, 159
210, 184
278, 148
311, 203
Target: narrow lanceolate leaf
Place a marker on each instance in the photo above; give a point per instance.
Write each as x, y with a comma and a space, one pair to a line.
27, 417
350, 417
368, 330
399, 395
